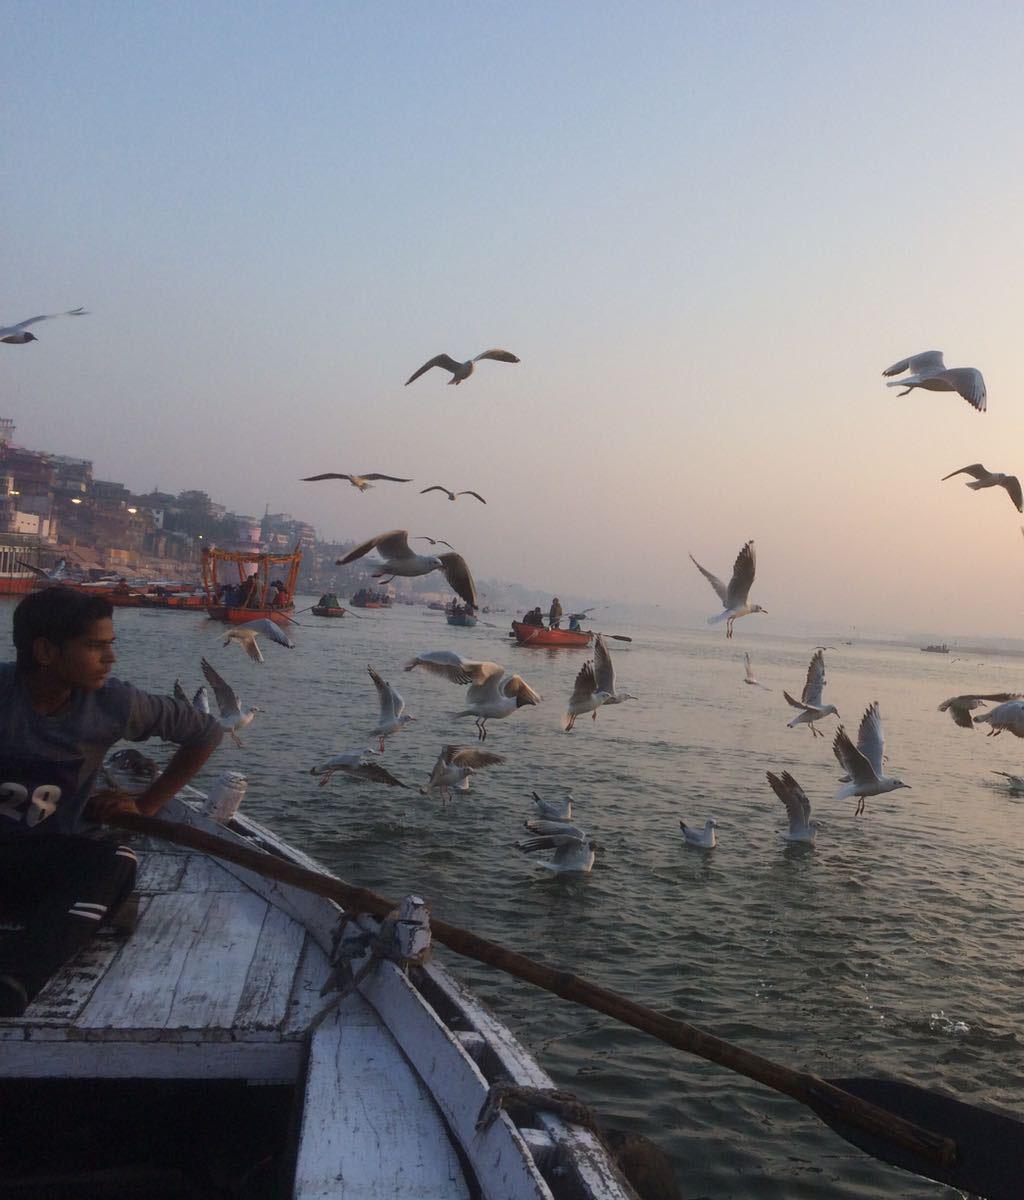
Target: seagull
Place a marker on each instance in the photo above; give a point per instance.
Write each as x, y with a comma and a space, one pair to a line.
928, 371
705, 838
393, 717
863, 762
959, 707
433, 541
461, 370
450, 494
573, 851
792, 795
554, 810
605, 672
544, 827
734, 597
398, 559
15, 335
200, 701
810, 700
987, 479
353, 764
1005, 716
493, 692
586, 697
357, 481
453, 769
750, 674
233, 716
247, 634
1016, 782
55, 573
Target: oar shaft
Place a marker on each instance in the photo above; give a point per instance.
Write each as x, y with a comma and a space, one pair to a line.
806, 1088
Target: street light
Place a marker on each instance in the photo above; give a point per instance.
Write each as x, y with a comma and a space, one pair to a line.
133, 511
75, 500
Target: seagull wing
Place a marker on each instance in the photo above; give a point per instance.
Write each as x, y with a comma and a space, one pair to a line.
604, 672
247, 638
28, 566
795, 703
393, 544
959, 708
1012, 485
547, 828
871, 739
851, 760
516, 685
794, 798
498, 355
269, 629
975, 469
585, 686
968, 382
390, 478
374, 774
475, 758
326, 475
439, 360
920, 364
1000, 697
475, 495
437, 488
386, 695
225, 696
71, 312
742, 577
200, 701
179, 691
720, 589
559, 842
453, 667
815, 684
459, 578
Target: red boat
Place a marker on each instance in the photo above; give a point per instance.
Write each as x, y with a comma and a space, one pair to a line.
540, 635
250, 566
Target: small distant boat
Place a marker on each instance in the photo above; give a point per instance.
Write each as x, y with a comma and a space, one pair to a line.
322, 610
367, 598
938, 648
461, 616
540, 635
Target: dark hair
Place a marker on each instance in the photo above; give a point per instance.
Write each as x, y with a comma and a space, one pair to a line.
57, 614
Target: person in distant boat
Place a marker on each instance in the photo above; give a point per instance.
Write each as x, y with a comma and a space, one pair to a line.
249, 592
280, 594
60, 712
533, 617
574, 623
555, 614
328, 600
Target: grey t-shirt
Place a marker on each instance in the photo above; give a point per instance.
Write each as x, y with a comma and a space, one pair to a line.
48, 763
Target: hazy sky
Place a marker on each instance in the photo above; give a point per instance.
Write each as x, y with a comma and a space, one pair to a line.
704, 228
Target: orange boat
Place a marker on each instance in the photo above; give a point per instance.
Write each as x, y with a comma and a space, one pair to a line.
540, 635
250, 563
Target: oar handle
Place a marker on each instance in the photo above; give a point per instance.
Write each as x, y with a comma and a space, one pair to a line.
806, 1088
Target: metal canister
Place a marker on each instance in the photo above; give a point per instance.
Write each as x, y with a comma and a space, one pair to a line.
225, 796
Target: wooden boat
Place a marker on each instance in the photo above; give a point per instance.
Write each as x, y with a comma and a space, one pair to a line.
940, 648
368, 598
247, 563
462, 617
540, 635
208, 1054
319, 610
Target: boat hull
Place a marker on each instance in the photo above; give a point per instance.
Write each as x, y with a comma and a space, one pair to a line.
538, 635
467, 620
238, 616
318, 611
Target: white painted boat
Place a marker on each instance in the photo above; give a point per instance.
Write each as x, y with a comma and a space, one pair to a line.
195, 1056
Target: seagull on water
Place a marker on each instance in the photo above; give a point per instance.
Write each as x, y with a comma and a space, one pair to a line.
959, 707
792, 795
357, 481
450, 494
393, 717
1005, 716
16, 335
810, 700
705, 838
200, 701
987, 479
928, 371
398, 559
494, 692
453, 769
734, 597
461, 370
573, 851
247, 634
862, 763
554, 810
233, 715
353, 764
1014, 782
750, 674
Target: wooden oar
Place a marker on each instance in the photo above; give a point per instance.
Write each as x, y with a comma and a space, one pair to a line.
922, 1131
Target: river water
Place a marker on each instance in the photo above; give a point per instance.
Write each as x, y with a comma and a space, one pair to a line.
892, 948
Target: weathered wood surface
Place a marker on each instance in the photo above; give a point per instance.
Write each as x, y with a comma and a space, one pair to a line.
370, 1130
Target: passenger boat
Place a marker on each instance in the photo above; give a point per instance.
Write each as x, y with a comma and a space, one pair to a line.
368, 598
209, 1054
217, 562
16, 552
938, 648
540, 635
322, 610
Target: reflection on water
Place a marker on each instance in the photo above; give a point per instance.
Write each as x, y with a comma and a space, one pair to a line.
891, 948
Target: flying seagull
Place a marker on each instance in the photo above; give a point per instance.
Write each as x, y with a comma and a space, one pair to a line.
453, 769
573, 851
393, 717
247, 634
423, 537
16, 335
810, 699
398, 559
200, 701
450, 494
705, 838
749, 678
987, 479
586, 697
353, 764
959, 707
493, 691
1005, 716
734, 597
928, 371
798, 807
461, 370
54, 573
862, 763
357, 481
233, 715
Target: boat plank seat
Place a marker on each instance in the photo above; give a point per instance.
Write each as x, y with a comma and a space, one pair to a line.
370, 1130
